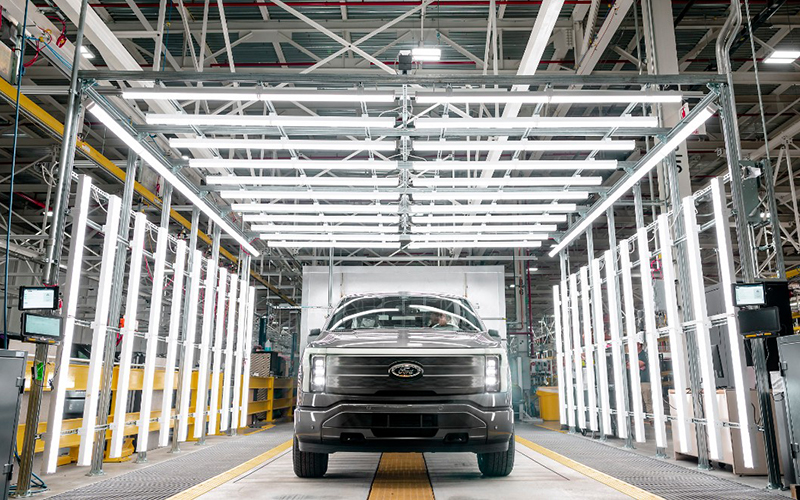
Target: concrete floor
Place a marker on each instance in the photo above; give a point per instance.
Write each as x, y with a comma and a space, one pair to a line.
454, 476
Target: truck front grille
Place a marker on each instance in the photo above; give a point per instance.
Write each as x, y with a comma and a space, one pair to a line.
442, 375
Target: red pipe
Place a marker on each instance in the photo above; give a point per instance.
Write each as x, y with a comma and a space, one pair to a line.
31, 200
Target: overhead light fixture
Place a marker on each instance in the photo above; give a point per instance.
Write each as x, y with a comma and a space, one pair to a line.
537, 122
507, 181
527, 165
501, 195
166, 172
426, 54
536, 269
374, 245
324, 219
259, 94
488, 219
523, 145
269, 121
256, 180
86, 53
782, 57
338, 237
547, 97
284, 208
424, 245
289, 144
480, 237
321, 229
333, 165
494, 208
311, 195
696, 117
484, 229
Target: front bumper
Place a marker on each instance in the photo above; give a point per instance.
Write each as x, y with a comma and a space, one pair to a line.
403, 427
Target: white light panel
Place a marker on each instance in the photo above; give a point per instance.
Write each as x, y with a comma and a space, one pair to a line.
486, 229
506, 181
323, 229
205, 341
480, 237
535, 122
232, 94
514, 165
291, 208
577, 350
616, 344
219, 336
331, 237
238, 362
588, 347
280, 144
600, 343
324, 219
178, 269
269, 121
474, 244
547, 97
333, 165
500, 195
487, 219
554, 208
630, 332
562, 408
188, 342
333, 244
525, 145
569, 364
311, 195
257, 180
225, 416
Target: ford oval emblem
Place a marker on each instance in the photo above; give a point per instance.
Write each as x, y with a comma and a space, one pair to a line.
406, 370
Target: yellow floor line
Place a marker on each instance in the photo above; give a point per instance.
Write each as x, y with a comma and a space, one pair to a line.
223, 478
268, 426
619, 485
401, 476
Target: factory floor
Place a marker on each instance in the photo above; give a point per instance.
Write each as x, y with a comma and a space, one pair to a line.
548, 464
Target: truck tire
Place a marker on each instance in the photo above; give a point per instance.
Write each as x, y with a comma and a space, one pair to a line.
308, 464
497, 464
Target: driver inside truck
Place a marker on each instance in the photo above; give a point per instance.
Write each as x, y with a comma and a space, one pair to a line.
440, 320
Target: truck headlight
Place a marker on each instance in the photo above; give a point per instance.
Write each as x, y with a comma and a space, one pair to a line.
492, 374
317, 373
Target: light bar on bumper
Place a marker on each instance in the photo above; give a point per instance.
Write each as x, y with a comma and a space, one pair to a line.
492, 377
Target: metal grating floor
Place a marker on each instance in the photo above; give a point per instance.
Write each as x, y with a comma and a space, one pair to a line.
660, 477
167, 478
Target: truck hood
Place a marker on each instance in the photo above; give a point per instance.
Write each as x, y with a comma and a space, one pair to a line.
405, 339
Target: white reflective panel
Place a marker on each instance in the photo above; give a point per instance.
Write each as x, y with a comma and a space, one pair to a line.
225, 418
248, 347
617, 347
72, 288
588, 348
178, 270
569, 363
238, 359
99, 330
189, 337
651, 333
216, 367
577, 351
205, 340
735, 341
151, 348
562, 410
702, 324
676, 345
630, 331
128, 333
600, 341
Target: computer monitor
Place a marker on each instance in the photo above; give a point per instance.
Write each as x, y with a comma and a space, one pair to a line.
749, 294
38, 298
41, 329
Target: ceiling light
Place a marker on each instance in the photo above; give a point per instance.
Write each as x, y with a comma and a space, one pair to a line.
527, 165
373, 245
259, 94
166, 172
311, 195
324, 219
254, 180
696, 117
337, 165
426, 54
270, 121
324, 237
494, 209
477, 237
538, 122
322, 229
484, 229
782, 57
523, 145
291, 144
507, 181
487, 219
547, 97
533, 269
500, 195
423, 245
284, 208
86, 53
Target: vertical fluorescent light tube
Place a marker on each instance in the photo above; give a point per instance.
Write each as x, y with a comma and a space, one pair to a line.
189, 337
225, 417
99, 330
588, 348
676, 345
568, 354
73, 286
152, 339
600, 340
702, 327
630, 331
727, 275
178, 269
651, 332
128, 333
616, 343
239, 352
248, 347
216, 364
576, 349
205, 333
562, 409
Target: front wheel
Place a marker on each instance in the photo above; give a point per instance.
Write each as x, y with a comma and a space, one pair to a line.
497, 464
308, 464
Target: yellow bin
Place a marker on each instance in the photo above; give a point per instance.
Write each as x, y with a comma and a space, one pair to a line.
548, 403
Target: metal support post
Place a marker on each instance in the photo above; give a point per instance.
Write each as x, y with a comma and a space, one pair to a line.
115, 307
209, 295
186, 336
596, 342
623, 414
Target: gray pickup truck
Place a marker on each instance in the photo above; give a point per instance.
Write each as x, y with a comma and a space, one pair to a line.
404, 372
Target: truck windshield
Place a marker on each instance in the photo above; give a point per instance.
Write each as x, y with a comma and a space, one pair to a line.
390, 312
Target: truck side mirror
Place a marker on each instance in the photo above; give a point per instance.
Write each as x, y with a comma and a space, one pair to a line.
494, 333
313, 334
